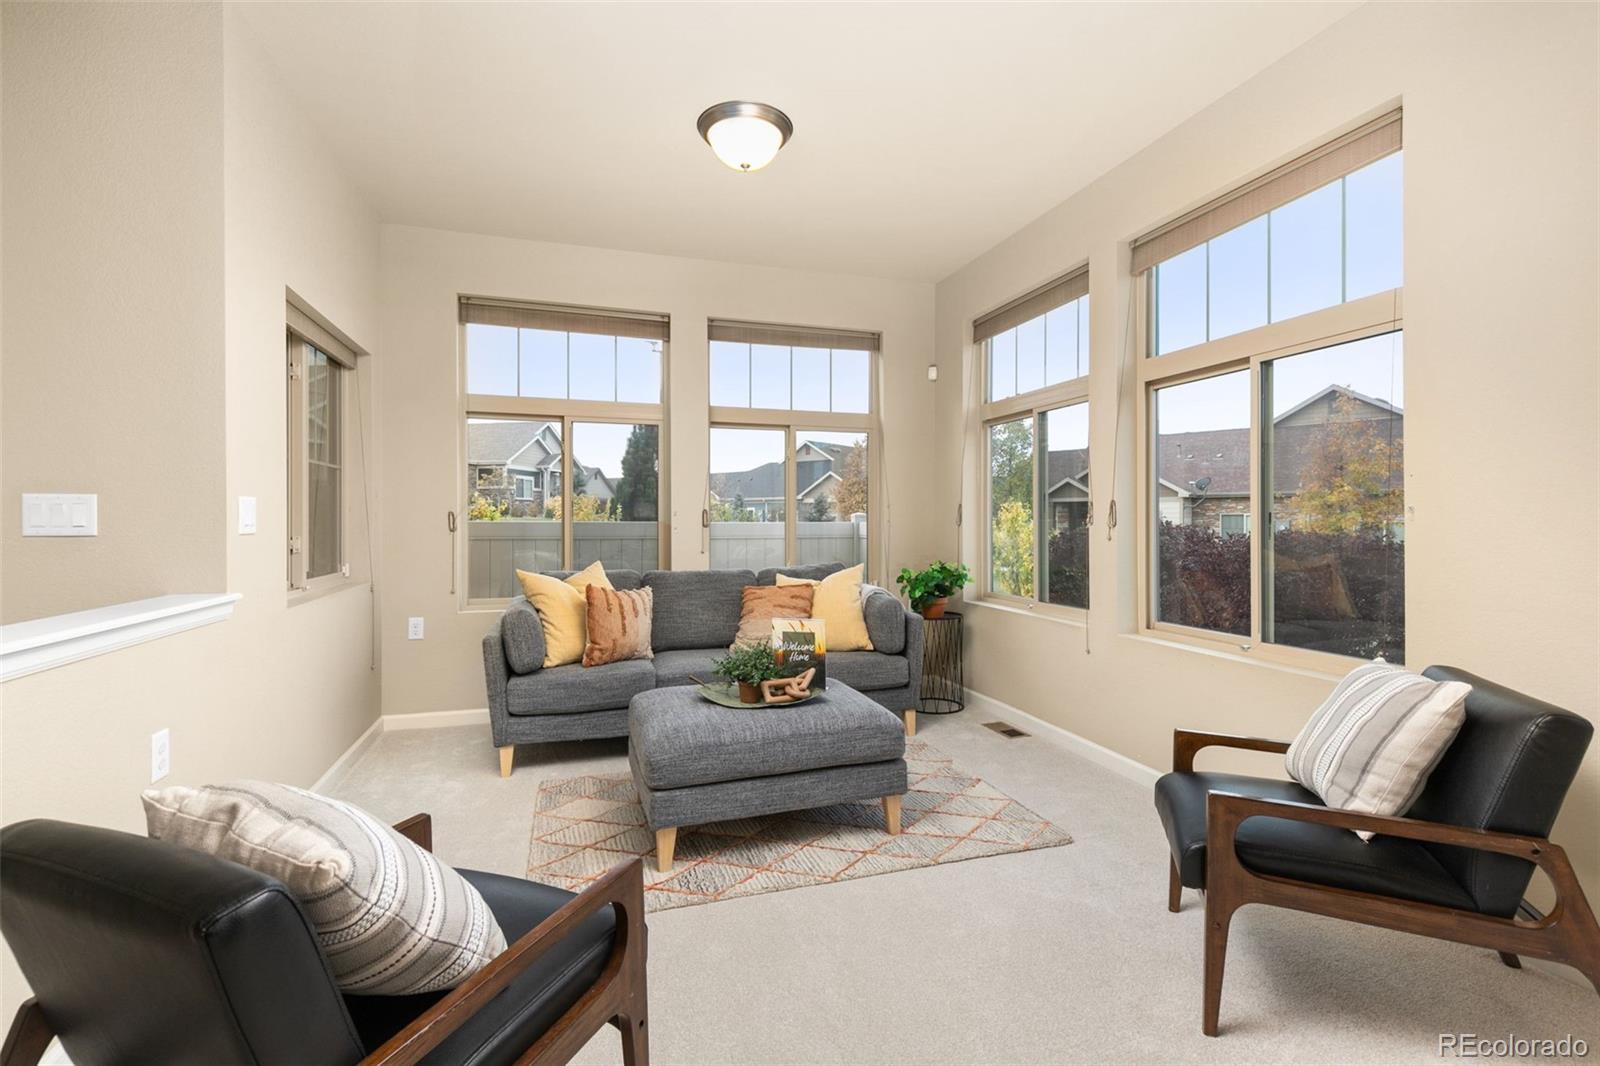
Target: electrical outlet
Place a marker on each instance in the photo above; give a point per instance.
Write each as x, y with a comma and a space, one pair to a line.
160, 755
414, 629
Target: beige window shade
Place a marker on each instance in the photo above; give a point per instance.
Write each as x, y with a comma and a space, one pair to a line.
1026, 308
1313, 170
563, 319
793, 336
320, 336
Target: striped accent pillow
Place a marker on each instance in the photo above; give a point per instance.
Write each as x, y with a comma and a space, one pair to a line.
392, 920
618, 625
1372, 744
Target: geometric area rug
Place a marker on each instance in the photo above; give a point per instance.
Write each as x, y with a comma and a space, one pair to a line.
582, 826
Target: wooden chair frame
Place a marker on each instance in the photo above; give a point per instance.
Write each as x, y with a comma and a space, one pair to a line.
1568, 934
617, 997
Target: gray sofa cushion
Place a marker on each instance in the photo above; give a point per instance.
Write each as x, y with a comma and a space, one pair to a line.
696, 608
564, 689
886, 622
523, 635
808, 572
675, 667
867, 670
677, 739
620, 579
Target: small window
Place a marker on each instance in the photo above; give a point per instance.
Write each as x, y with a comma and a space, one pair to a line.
783, 368
1011, 548
318, 364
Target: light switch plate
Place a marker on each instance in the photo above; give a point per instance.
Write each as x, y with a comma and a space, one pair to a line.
160, 755
247, 515
60, 514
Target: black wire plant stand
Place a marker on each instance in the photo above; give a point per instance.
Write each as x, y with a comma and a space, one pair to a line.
943, 684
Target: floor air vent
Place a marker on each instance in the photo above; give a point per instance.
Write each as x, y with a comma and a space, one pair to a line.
1005, 729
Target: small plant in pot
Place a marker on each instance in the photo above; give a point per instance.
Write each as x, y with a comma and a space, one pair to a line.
747, 665
930, 590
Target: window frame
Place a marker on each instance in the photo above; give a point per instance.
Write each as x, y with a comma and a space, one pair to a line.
302, 335
795, 425
562, 413
1367, 316
1034, 404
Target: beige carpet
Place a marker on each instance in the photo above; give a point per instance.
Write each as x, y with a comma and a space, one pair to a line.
582, 826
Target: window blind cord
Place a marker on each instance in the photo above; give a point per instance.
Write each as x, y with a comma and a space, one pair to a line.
366, 515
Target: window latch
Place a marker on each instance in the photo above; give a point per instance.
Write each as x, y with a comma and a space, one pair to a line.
705, 518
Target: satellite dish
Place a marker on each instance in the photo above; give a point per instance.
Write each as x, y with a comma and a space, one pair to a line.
1203, 484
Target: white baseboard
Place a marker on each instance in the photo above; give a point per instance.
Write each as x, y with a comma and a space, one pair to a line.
435, 719
1099, 754
351, 754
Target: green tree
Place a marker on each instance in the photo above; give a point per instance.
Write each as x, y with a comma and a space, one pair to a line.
821, 510
1011, 464
1011, 544
638, 491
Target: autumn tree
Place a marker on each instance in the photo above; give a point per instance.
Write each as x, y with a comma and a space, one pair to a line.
1351, 482
851, 495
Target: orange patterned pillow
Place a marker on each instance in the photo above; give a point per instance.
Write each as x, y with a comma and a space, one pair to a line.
619, 625
763, 603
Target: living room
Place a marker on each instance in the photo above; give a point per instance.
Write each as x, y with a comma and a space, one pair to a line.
525, 378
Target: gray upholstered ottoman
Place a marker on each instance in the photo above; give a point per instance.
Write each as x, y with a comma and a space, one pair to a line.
696, 762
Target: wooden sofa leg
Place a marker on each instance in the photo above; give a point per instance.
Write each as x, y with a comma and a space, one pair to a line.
1174, 887
666, 840
1511, 960
507, 755
911, 722
891, 815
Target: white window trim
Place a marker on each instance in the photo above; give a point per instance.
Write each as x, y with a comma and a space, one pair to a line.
564, 413
1032, 404
1367, 316
295, 350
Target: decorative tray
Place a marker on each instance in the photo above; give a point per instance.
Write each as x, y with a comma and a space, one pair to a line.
728, 696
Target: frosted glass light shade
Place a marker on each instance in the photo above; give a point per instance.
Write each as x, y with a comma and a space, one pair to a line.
745, 136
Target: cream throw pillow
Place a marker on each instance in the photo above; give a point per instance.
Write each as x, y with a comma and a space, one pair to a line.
837, 601
392, 919
563, 611
1372, 744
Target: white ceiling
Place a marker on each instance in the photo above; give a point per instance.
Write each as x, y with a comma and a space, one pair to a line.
924, 133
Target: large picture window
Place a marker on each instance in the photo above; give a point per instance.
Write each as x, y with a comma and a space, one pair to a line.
1035, 359
790, 477
1272, 427
563, 431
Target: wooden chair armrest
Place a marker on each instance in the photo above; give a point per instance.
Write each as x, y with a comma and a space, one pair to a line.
29, 1036
418, 829
1186, 742
621, 887
1225, 810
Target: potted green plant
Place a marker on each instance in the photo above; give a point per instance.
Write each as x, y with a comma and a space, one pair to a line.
747, 665
930, 590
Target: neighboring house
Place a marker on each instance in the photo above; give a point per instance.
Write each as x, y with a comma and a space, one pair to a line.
1205, 476
520, 463
816, 465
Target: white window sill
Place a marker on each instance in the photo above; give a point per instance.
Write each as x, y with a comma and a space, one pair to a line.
44, 643
1045, 613
1219, 650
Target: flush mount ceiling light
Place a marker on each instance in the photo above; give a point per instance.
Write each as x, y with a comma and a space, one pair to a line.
745, 135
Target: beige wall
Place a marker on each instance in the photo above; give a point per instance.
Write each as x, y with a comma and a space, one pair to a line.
277, 691
1501, 358
423, 273
113, 300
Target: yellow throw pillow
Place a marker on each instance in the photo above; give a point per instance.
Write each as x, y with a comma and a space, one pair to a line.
837, 601
563, 611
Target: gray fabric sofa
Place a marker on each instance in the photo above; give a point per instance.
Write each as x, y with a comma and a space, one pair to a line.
696, 616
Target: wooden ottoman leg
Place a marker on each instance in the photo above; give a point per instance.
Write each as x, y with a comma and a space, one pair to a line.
666, 840
507, 755
891, 814
910, 717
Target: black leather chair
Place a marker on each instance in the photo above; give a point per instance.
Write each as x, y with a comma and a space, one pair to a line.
141, 951
1454, 867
